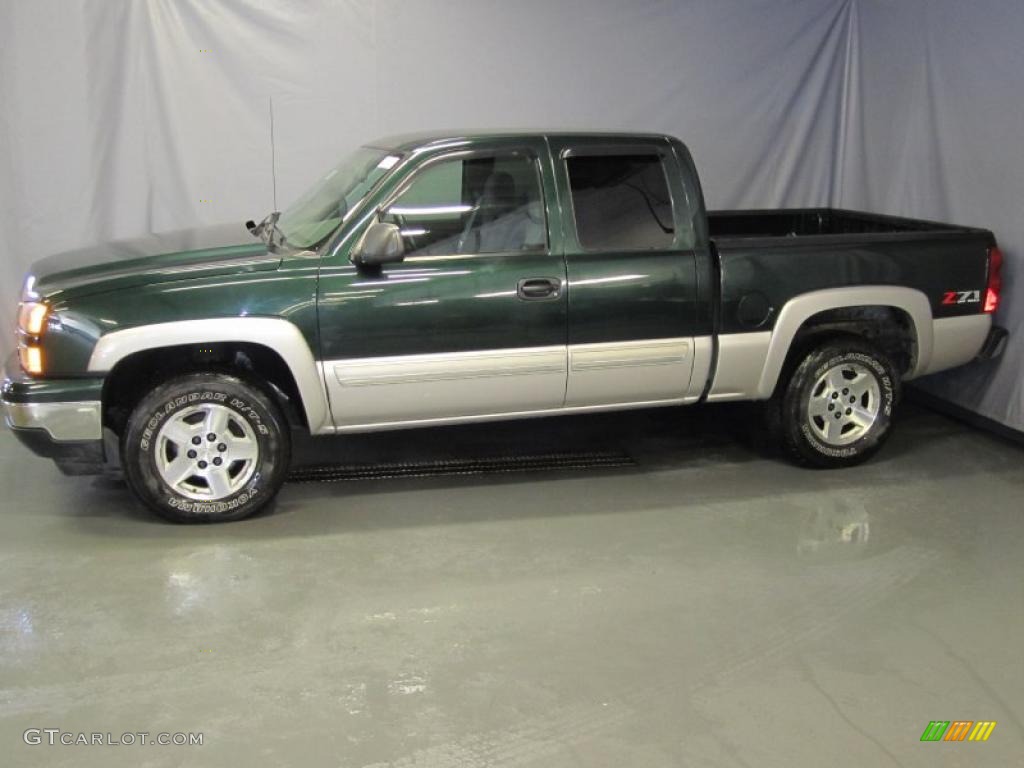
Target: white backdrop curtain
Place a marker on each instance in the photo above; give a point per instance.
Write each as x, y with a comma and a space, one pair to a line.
121, 117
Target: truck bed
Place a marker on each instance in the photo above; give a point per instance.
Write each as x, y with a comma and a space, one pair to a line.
815, 222
780, 254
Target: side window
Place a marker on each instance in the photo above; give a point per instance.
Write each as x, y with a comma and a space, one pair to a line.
485, 204
621, 202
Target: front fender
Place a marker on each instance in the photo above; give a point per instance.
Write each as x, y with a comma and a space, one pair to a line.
281, 336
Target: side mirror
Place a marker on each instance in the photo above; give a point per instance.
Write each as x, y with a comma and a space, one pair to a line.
380, 244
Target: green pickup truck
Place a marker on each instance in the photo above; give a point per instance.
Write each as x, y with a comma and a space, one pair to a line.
445, 278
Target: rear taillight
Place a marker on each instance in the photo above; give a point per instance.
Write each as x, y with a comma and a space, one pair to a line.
995, 279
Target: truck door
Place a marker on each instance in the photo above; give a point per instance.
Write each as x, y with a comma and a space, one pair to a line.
472, 323
631, 270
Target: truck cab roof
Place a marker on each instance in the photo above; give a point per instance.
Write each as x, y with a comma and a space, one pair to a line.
406, 142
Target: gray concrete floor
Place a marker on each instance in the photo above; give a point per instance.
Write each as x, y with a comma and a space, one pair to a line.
710, 606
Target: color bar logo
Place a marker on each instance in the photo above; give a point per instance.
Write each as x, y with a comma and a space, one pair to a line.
958, 730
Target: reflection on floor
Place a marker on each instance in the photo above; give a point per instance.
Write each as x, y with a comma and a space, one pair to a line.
708, 605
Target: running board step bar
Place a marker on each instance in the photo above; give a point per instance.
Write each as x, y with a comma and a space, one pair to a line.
483, 466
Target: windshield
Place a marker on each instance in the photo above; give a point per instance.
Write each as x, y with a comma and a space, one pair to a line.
311, 218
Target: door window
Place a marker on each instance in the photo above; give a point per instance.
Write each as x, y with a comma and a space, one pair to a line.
474, 204
621, 202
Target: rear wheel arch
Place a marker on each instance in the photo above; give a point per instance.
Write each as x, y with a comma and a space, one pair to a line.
898, 320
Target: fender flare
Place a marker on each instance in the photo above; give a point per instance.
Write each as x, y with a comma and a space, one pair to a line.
799, 309
276, 334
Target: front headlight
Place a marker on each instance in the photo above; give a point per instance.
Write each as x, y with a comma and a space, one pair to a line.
32, 317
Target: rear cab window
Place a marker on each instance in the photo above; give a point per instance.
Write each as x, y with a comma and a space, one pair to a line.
626, 198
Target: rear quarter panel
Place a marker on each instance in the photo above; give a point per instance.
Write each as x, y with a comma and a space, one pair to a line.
781, 269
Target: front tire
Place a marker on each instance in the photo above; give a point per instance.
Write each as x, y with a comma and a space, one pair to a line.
205, 448
837, 406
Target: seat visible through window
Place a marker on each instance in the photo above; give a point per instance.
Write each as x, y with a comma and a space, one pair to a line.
504, 219
489, 204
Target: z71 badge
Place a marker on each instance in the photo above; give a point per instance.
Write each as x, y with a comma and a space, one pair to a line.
961, 297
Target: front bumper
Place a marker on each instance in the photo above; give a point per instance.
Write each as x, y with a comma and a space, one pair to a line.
62, 422
58, 419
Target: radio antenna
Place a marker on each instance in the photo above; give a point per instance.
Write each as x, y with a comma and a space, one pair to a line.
273, 160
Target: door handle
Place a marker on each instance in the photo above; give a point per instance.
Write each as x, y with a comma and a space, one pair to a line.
539, 288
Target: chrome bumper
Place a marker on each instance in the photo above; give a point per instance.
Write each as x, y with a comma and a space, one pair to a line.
64, 422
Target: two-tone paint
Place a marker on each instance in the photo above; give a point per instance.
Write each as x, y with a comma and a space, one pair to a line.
443, 339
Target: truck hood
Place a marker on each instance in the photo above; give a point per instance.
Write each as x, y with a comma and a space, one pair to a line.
186, 253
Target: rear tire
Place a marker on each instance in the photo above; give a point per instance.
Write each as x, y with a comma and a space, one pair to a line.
205, 448
836, 407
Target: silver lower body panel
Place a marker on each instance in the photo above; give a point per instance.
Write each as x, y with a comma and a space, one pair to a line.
370, 394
